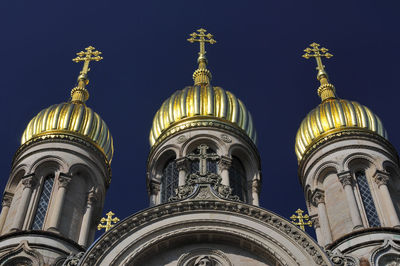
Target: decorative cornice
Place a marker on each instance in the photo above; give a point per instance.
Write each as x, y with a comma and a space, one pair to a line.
345, 178
68, 139
381, 178
141, 219
342, 136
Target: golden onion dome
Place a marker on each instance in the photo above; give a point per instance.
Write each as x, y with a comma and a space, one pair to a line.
201, 103
74, 118
333, 115
71, 118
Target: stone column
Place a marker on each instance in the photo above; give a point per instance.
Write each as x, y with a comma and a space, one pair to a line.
318, 199
224, 165
183, 168
346, 179
255, 191
87, 219
382, 178
28, 182
63, 181
6, 203
317, 228
154, 191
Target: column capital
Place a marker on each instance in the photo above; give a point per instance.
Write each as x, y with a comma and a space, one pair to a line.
92, 197
28, 181
381, 178
318, 197
154, 187
7, 199
225, 162
182, 164
345, 178
315, 221
255, 185
63, 180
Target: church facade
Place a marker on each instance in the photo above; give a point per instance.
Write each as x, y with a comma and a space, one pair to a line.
203, 180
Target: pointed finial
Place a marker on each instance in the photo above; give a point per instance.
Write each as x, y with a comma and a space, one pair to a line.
326, 90
79, 93
202, 75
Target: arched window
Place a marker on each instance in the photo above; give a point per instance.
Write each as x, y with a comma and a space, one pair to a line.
43, 204
237, 178
368, 201
169, 180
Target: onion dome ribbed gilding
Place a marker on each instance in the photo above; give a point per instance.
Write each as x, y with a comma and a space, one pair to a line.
71, 119
334, 115
202, 102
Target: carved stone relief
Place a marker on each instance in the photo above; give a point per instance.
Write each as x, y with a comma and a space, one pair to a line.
204, 257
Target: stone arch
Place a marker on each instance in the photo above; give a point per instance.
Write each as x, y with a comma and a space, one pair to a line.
322, 172
48, 163
249, 160
210, 140
358, 161
16, 177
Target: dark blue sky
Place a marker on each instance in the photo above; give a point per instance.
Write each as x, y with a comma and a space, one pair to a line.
147, 58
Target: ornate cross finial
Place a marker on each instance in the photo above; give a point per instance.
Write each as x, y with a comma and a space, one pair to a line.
109, 221
90, 55
326, 90
202, 75
79, 93
203, 157
302, 219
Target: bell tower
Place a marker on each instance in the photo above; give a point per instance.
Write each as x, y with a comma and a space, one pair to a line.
350, 175
203, 136
59, 176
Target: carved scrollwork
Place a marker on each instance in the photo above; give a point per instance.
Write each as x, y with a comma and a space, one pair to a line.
29, 181
381, 178
63, 180
73, 259
318, 197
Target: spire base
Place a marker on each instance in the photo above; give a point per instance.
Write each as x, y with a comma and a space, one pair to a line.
327, 91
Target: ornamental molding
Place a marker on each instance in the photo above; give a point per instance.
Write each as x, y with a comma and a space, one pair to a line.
66, 138
318, 197
339, 259
63, 180
141, 219
304, 161
29, 181
225, 138
381, 178
7, 199
24, 252
345, 178
386, 254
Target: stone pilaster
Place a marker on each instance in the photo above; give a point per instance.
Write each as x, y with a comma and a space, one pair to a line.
382, 178
346, 179
63, 182
183, 167
224, 164
28, 182
6, 203
154, 192
318, 199
317, 228
87, 218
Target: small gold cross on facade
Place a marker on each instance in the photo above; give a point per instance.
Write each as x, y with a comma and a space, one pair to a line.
317, 52
202, 38
302, 219
90, 55
109, 221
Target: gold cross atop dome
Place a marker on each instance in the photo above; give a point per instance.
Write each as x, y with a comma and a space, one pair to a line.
302, 219
79, 93
109, 221
326, 90
202, 75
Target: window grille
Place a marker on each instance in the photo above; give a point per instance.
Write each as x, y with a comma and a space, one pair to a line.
366, 196
43, 202
169, 180
237, 178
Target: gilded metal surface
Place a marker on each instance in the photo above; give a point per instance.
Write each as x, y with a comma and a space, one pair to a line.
73, 118
108, 222
202, 103
334, 115
302, 219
